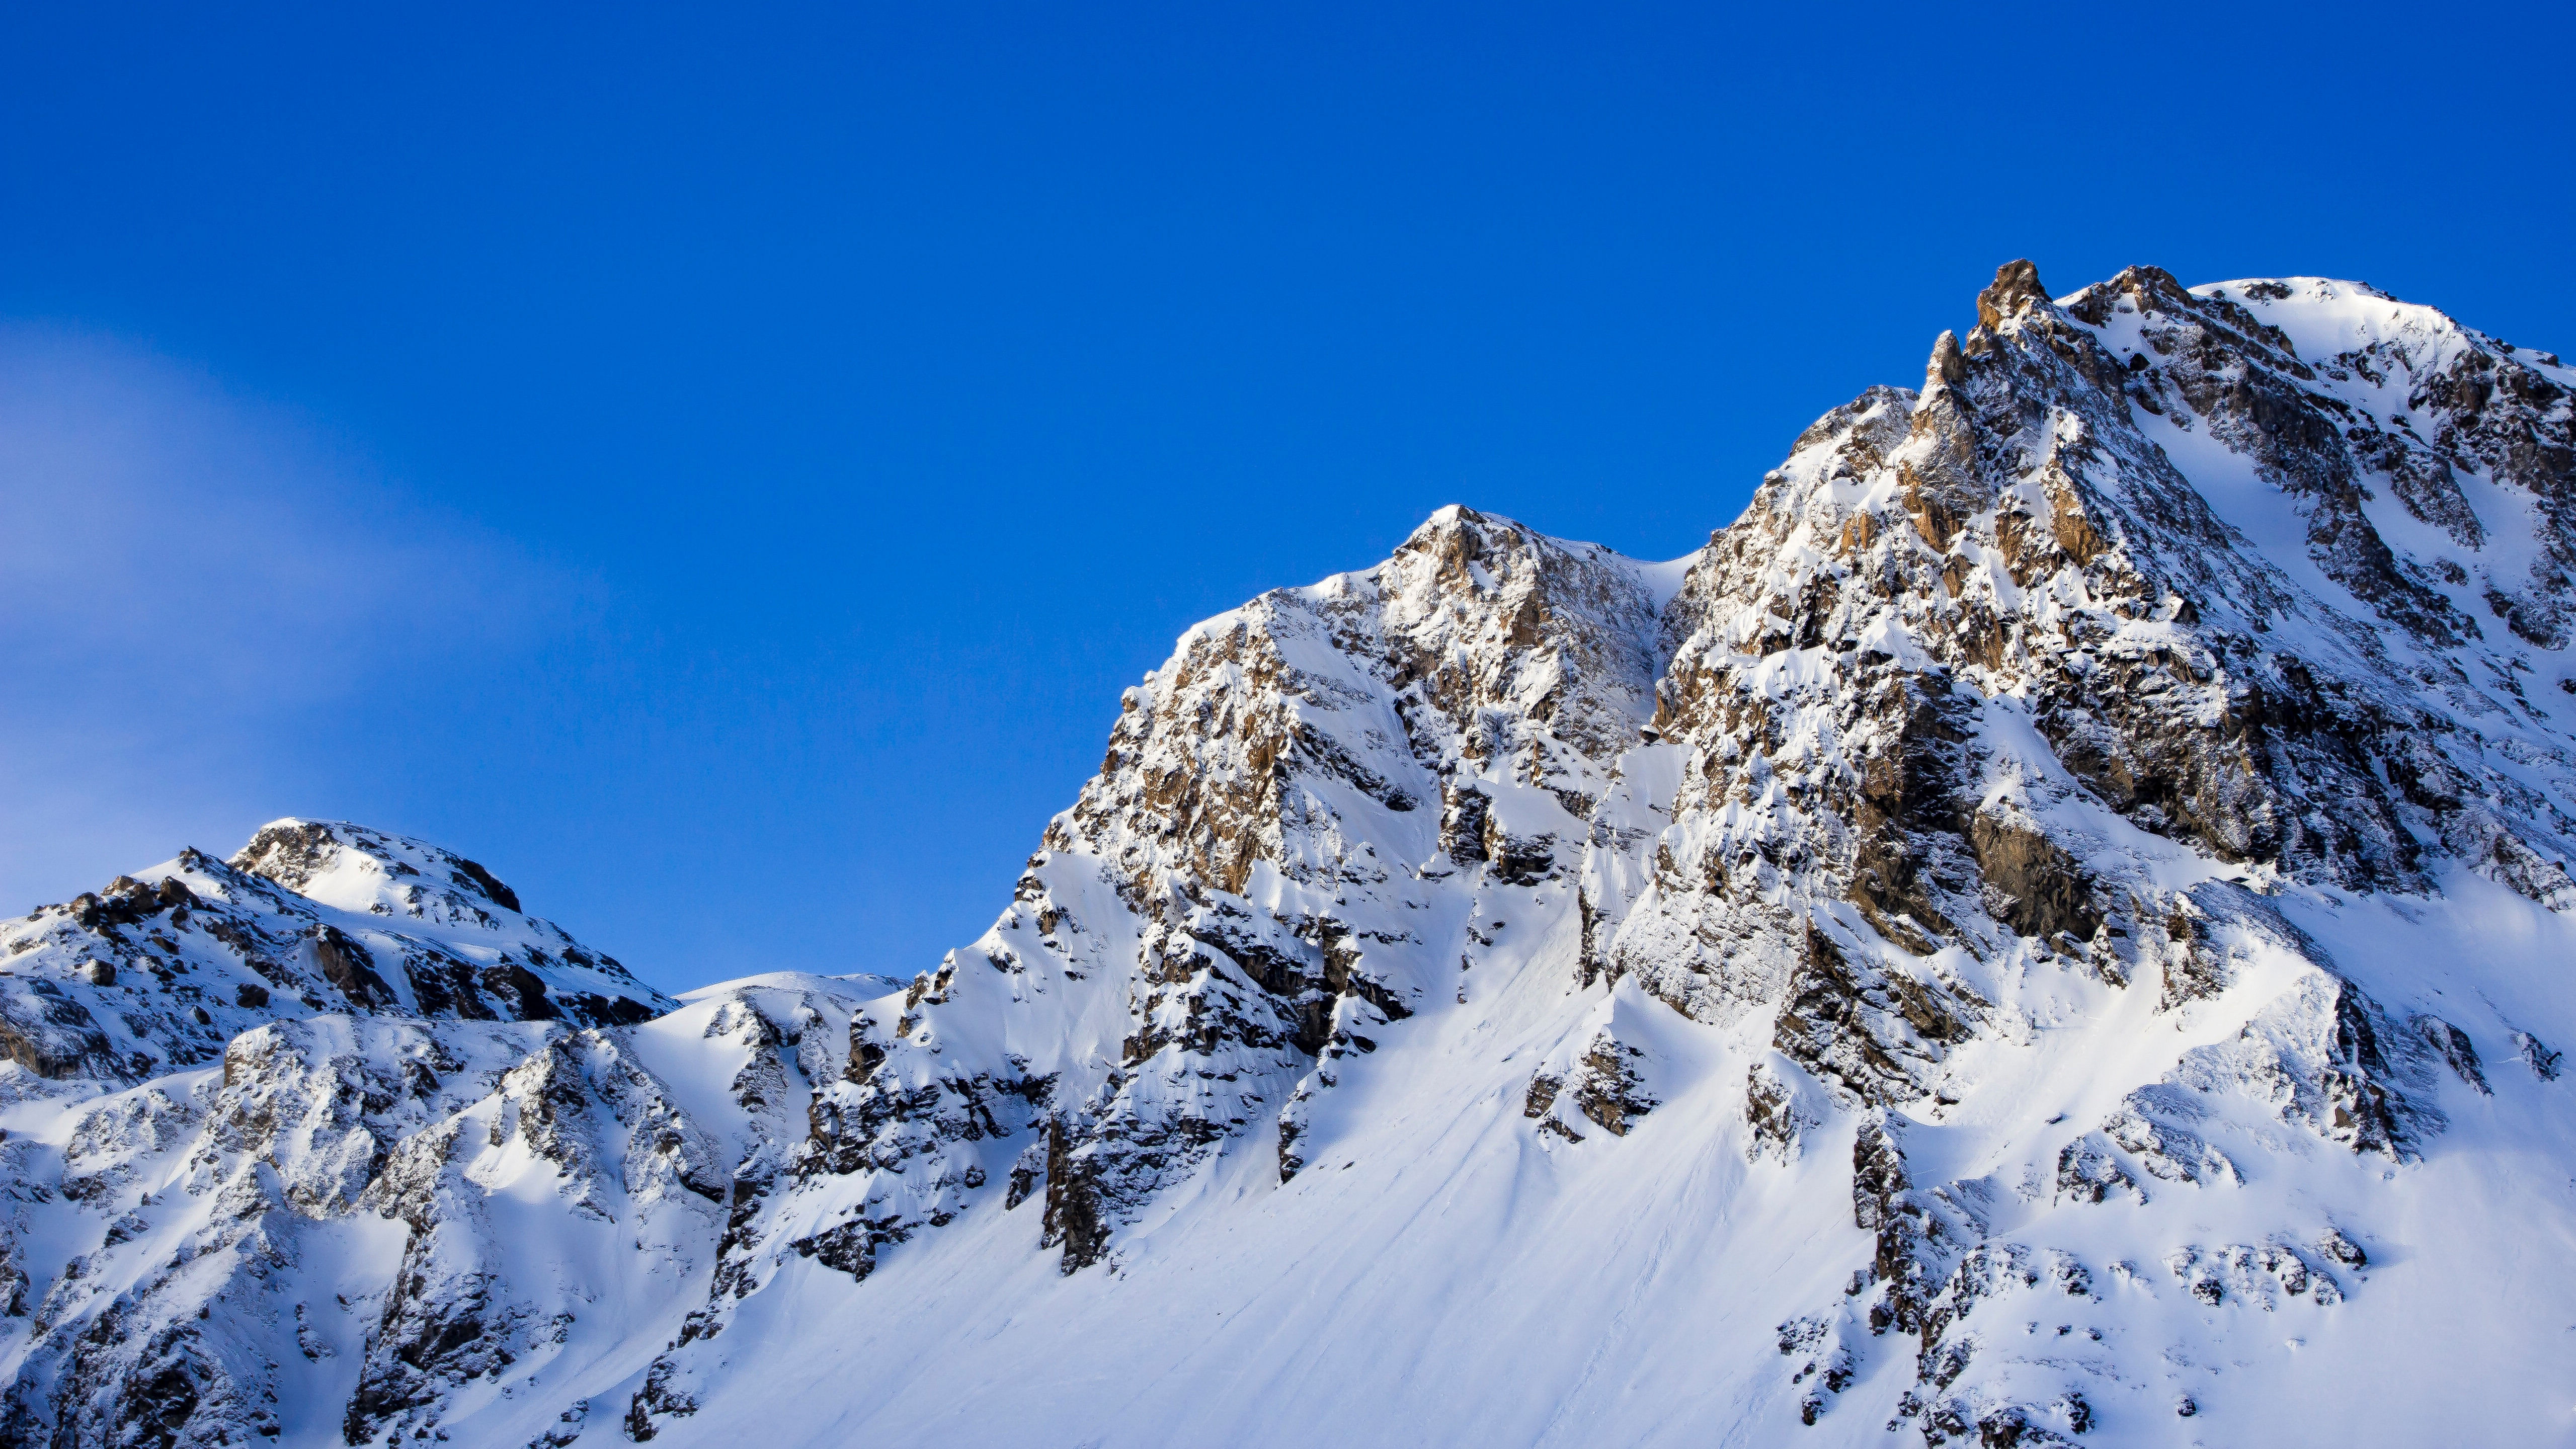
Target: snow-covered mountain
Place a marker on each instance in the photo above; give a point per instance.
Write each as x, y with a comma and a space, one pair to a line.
158, 972
2052, 927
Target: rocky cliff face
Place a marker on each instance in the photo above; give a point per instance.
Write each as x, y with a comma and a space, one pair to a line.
2047, 929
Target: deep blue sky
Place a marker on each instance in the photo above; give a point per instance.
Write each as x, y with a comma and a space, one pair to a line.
719, 468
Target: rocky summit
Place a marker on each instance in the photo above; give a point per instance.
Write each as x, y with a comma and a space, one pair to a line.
2054, 927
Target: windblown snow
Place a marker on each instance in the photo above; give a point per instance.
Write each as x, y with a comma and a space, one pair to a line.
2051, 928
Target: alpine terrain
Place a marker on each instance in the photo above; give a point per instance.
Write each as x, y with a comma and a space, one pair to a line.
2054, 927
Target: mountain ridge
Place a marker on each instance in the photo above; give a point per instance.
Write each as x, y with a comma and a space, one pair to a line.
2026, 937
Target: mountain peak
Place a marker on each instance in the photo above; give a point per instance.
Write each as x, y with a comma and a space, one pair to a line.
2016, 285
157, 971
2007, 935
355, 868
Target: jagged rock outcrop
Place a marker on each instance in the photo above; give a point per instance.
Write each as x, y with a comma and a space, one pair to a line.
158, 971
1997, 947
1271, 803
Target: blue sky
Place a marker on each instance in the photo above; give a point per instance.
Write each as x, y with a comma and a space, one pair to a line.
718, 467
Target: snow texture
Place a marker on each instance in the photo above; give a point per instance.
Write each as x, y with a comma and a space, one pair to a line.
2049, 929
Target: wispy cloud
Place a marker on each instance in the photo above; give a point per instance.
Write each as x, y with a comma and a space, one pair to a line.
186, 577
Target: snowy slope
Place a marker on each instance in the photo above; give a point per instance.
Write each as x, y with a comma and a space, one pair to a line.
2048, 929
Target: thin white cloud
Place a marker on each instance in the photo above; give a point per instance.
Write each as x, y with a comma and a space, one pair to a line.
184, 574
